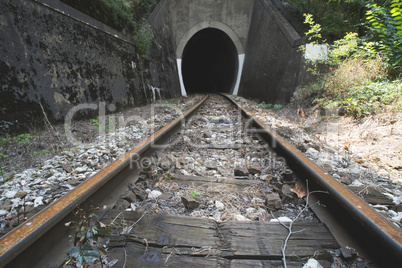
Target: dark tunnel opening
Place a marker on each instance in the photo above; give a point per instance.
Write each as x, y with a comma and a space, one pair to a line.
209, 62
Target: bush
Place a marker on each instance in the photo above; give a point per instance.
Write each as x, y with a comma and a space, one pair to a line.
385, 24
143, 40
353, 72
366, 99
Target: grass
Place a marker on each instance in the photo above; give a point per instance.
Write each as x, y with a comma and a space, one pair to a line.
270, 106
358, 86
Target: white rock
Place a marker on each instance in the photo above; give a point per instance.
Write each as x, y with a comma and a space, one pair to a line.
312, 152
398, 218
16, 202
10, 194
3, 213
219, 205
250, 210
38, 201
312, 263
281, 219
240, 217
154, 194
36, 181
381, 207
356, 183
81, 169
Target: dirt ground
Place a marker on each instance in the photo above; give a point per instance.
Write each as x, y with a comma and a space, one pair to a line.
375, 142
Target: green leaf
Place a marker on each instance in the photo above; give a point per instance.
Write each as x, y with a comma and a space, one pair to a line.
80, 260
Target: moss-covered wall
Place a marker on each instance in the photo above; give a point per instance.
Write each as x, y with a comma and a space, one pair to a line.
56, 56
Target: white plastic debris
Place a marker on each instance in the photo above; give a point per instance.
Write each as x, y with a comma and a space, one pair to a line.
312, 263
154, 194
281, 219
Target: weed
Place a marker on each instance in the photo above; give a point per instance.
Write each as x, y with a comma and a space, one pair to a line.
44, 152
270, 106
5, 125
2, 171
265, 105
85, 250
23, 138
168, 176
94, 122
3, 156
195, 194
168, 103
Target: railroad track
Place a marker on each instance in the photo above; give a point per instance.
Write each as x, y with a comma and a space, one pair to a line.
213, 188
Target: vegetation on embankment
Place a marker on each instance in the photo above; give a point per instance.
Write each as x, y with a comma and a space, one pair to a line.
127, 16
364, 68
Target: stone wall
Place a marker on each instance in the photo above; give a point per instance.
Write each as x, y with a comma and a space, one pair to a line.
273, 65
53, 55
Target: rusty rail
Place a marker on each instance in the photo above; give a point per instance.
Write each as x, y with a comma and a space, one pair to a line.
27, 233
377, 225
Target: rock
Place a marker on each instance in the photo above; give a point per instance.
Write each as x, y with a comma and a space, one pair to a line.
129, 196
138, 191
211, 165
254, 169
190, 203
313, 152
219, 205
348, 253
250, 210
122, 204
281, 219
356, 183
21, 194
3, 213
273, 201
312, 263
81, 170
10, 194
240, 217
154, 194
287, 194
165, 164
266, 177
74, 182
286, 189
38, 201
241, 171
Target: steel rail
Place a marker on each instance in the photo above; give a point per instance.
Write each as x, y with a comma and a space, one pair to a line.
27, 233
387, 233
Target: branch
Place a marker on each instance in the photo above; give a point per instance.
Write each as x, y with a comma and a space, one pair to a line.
306, 207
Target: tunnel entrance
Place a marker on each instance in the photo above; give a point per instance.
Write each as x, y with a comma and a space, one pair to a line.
209, 62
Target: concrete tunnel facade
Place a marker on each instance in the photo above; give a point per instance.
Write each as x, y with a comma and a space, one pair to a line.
240, 47
210, 58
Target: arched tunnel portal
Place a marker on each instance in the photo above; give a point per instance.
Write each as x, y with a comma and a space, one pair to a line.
210, 62
210, 58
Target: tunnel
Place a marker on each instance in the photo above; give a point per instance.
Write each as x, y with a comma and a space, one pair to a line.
209, 62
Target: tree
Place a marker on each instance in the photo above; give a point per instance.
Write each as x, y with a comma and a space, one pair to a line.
385, 25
